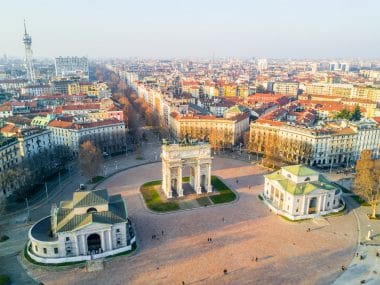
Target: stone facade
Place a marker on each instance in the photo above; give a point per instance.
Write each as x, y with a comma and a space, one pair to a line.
175, 157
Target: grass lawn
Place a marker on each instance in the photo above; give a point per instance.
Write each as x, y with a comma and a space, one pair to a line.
204, 201
359, 200
377, 217
153, 199
154, 202
225, 193
4, 279
96, 179
340, 213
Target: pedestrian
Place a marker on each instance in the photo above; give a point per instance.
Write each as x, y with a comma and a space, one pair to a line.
237, 181
256, 259
357, 254
162, 232
210, 239
225, 271
223, 219
343, 268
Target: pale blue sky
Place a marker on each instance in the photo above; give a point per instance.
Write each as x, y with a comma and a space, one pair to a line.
193, 28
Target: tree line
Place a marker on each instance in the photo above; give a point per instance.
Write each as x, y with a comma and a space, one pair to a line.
277, 150
28, 176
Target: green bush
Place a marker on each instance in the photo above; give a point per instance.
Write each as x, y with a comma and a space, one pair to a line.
225, 194
4, 238
4, 279
96, 179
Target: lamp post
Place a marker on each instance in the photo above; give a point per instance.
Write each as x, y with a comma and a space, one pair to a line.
46, 191
27, 208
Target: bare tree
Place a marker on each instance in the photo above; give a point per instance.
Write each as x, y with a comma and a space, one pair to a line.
367, 180
90, 159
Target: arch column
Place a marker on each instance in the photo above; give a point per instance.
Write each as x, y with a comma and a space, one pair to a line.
209, 186
197, 184
179, 182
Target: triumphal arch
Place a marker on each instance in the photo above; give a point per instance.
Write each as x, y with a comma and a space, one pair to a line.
176, 156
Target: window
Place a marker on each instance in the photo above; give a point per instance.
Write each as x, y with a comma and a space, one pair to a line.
36, 248
92, 209
67, 238
56, 250
118, 230
45, 250
307, 179
328, 204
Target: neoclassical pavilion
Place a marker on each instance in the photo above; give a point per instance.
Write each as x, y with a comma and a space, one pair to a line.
175, 157
299, 192
91, 225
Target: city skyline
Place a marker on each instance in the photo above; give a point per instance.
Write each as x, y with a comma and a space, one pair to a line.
193, 30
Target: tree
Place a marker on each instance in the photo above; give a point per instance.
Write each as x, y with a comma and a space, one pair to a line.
271, 151
367, 180
90, 159
356, 114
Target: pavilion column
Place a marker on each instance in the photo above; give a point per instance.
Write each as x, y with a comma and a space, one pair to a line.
320, 203
305, 208
83, 237
179, 182
110, 247
103, 241
77, 239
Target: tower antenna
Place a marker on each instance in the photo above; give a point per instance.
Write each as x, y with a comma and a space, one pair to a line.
27, 40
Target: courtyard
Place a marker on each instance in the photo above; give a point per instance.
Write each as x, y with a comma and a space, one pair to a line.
240, 232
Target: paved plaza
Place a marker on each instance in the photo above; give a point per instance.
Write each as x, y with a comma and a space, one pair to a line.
241, 231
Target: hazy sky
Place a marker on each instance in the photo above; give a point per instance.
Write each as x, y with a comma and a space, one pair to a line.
193, 28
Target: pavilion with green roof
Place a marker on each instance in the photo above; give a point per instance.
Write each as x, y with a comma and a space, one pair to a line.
92, 224
299, 192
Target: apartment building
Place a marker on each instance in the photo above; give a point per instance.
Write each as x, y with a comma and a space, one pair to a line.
108, 134
333, 143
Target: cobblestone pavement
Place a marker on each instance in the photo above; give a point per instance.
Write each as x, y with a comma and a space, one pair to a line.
286, 252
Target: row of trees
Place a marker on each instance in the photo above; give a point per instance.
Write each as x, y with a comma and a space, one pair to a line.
278, 150
367, 180
218, 138
23, 179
